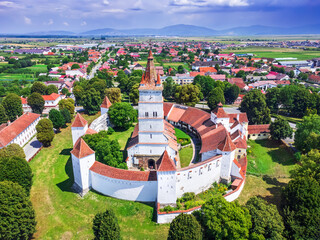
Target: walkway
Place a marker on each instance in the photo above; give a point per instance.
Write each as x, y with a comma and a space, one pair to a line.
31, 148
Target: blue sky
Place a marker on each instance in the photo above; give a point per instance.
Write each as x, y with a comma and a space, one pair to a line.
23, 16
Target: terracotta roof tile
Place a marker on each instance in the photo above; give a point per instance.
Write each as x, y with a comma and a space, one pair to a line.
256, 129
220, 113
79, 121
91, 131
241, 143
128, 175
227, 145
166, 108
176, 113
106, 103
165, 163
8, 133
81, 149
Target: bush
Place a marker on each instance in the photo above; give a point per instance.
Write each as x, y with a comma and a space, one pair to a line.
188, 196
45, 132
17, 170
185, 226
106, 226
110, 130
17, 217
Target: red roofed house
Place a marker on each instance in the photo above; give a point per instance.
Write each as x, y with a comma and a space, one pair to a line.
106, 104
50, 102
258, 132
20, 131
239, 82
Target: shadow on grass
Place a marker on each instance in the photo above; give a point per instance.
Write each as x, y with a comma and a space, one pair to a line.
275, 190
66, 185
280, 154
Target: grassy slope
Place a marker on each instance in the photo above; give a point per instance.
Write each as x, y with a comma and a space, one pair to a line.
185, 155
267, 157
62, 214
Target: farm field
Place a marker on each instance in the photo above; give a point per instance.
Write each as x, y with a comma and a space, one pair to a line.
12, 76
41, 68
277, 53
62, 214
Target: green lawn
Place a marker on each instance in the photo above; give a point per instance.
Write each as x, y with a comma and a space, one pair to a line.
181, 134
289, 119
41, 68
122, 137
268, 157
185, 155
62, 214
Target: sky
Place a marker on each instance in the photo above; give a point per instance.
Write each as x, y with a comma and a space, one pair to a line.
25, 16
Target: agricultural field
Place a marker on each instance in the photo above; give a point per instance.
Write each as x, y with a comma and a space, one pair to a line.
41, 68
12, 76
277, 53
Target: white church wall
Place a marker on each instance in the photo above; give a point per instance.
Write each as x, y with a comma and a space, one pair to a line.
151, 125
81, 170
78, 132
166, 187
168, 217
101, 123
209, 154
198, 178
152, 137
235, 170
226, 163
144, 96
104, 110
151, 109
144, 191
235, 194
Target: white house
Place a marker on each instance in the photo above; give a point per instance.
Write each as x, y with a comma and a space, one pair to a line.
50, 102
20, 131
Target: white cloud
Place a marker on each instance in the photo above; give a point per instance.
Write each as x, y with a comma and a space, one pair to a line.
6, 4
106, 2
27, 20
50, 22
113, 10
66, 24
204, 3
84, 23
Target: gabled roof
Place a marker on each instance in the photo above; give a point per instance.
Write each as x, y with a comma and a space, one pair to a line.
79, 121
106, 103
165, 163
220, 113
81, 149
256, 129
227, 145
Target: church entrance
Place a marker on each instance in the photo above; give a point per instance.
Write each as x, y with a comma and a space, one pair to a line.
151, 164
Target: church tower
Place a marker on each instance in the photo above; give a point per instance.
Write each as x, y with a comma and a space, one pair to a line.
152, 139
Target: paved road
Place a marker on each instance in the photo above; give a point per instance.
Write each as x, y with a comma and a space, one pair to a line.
94, 69
31, 148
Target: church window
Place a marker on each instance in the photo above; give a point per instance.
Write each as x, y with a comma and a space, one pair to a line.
151, 136
155, 114
146, 114
150, 126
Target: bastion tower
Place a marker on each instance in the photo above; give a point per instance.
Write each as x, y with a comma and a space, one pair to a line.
152, 135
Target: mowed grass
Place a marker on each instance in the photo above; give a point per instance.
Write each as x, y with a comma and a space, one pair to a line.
181, 134
122, 137
62, 214
270, 158
13, 76
185, 155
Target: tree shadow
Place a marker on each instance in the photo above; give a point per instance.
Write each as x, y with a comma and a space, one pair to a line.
66, 185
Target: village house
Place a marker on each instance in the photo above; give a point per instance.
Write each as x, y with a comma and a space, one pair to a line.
50, 102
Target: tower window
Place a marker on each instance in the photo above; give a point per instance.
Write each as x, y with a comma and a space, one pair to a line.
155, 114
150, 135
146, 114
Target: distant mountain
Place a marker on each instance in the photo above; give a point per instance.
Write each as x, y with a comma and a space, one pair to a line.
47, 33
189, 30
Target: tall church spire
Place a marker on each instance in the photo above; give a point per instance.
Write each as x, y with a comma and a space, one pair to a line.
149, 79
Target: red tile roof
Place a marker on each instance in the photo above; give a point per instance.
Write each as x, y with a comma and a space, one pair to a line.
128, 175
227, 145
90, 131
51, 97
176, 113
165, 163
256, 129
220, 113
240, 143
81, 149
237, 81
79, 121
166, 108
10, 132
106, 103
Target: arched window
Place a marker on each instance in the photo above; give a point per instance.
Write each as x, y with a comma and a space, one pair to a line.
151, 164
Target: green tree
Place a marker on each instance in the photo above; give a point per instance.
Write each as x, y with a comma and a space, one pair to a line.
241, 74
68, 104
301, 199
13, 106
122, 115
231, 93
45, 133
17, 216
301, 101
66, 115
307, 131
168, 88
3, 116
75, 66
280, 129
273, 99
291, 74
215, 97
64, 91
56, 118
114, 94
134, 94
266, 220
16, 169
51, 89
309, 166
187, 94
180, 69
12, 150
106, 226
206, 84
185, 226
91, 101
225, 220
78, 92
254, 104
39, 87
36, 102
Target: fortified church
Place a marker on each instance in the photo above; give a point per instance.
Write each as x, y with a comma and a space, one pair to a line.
154, 147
